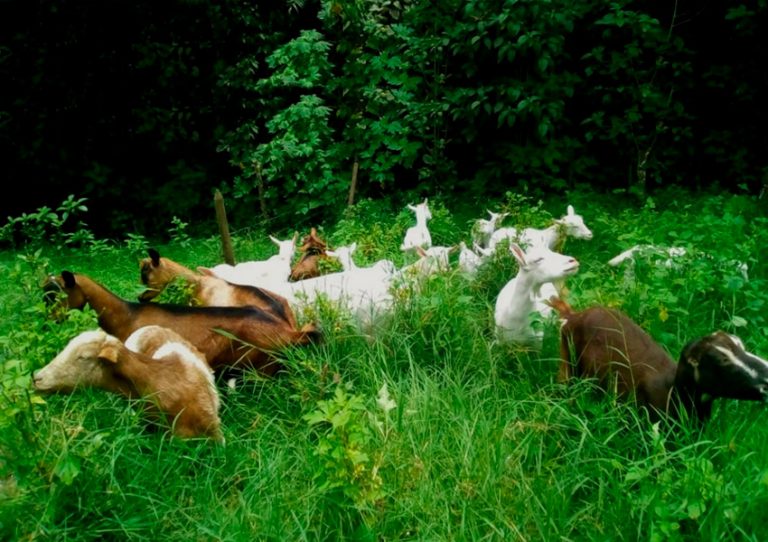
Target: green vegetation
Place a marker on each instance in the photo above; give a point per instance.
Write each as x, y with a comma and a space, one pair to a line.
274, 103
431, 432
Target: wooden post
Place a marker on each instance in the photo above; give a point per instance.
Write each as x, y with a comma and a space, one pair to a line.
353, 185
221, 218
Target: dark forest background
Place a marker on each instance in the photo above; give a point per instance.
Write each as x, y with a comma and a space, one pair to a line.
146, 107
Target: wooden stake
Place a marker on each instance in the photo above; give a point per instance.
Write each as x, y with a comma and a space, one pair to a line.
353, 185
221, 218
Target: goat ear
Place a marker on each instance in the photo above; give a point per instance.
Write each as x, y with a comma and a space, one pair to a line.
421, 252
154, 255
275, 240
69, 279
205, 271
571, 212
295, 237
411, 207
453, 249
108, 353
353, 247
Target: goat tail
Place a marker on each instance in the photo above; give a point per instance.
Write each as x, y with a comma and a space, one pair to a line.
310, 334
560, 306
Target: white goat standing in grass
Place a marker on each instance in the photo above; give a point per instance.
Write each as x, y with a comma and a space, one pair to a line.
527, 291
483, 229
552, 237
418, 235
264, 273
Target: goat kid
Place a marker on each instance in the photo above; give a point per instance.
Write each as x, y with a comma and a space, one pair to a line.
607, 345
155, 363
228, 336
418, 235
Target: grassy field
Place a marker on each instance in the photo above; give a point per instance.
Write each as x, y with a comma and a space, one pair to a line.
433, 431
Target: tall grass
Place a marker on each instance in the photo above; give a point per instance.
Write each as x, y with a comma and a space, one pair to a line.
468, 440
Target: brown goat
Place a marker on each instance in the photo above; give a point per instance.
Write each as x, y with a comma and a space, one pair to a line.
154, 363
227, 336
308, 265
607, 345
209, 290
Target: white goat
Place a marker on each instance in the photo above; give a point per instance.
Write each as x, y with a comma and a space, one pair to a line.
527, 291
432, 260
672, 258
483, 229
418, 235
344, 255
362, 291
469, 259
154, 363
552, 237
265, 273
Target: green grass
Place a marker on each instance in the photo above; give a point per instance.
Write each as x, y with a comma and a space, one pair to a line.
481, 445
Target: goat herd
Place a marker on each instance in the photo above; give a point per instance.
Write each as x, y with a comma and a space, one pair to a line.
244, 315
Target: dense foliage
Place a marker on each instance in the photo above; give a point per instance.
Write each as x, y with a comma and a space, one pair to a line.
273, 102
433, 431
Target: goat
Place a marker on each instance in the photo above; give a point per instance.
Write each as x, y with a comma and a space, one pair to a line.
522, 295
363, 292
483, 229
209, 290
674, 258
469, 259
344, 255
228, 336
308, 265
265, 273
418, 235
607, 345
552, 237
155, 363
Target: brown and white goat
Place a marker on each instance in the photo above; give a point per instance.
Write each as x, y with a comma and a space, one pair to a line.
209, 290
313, 249
228, 336
607, 345
155, 363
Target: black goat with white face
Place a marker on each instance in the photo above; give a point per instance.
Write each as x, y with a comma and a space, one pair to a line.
717, 365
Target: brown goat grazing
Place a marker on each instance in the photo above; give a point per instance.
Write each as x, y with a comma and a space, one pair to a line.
308, 265
155, 363
605, 344
227, 336
209, 290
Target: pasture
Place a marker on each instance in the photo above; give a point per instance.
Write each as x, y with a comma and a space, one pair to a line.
430, 431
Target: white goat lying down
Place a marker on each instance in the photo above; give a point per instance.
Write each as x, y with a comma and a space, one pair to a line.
155, 363
363, 291
552, 237
528, 292
672, 258
262, 274
418, 235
